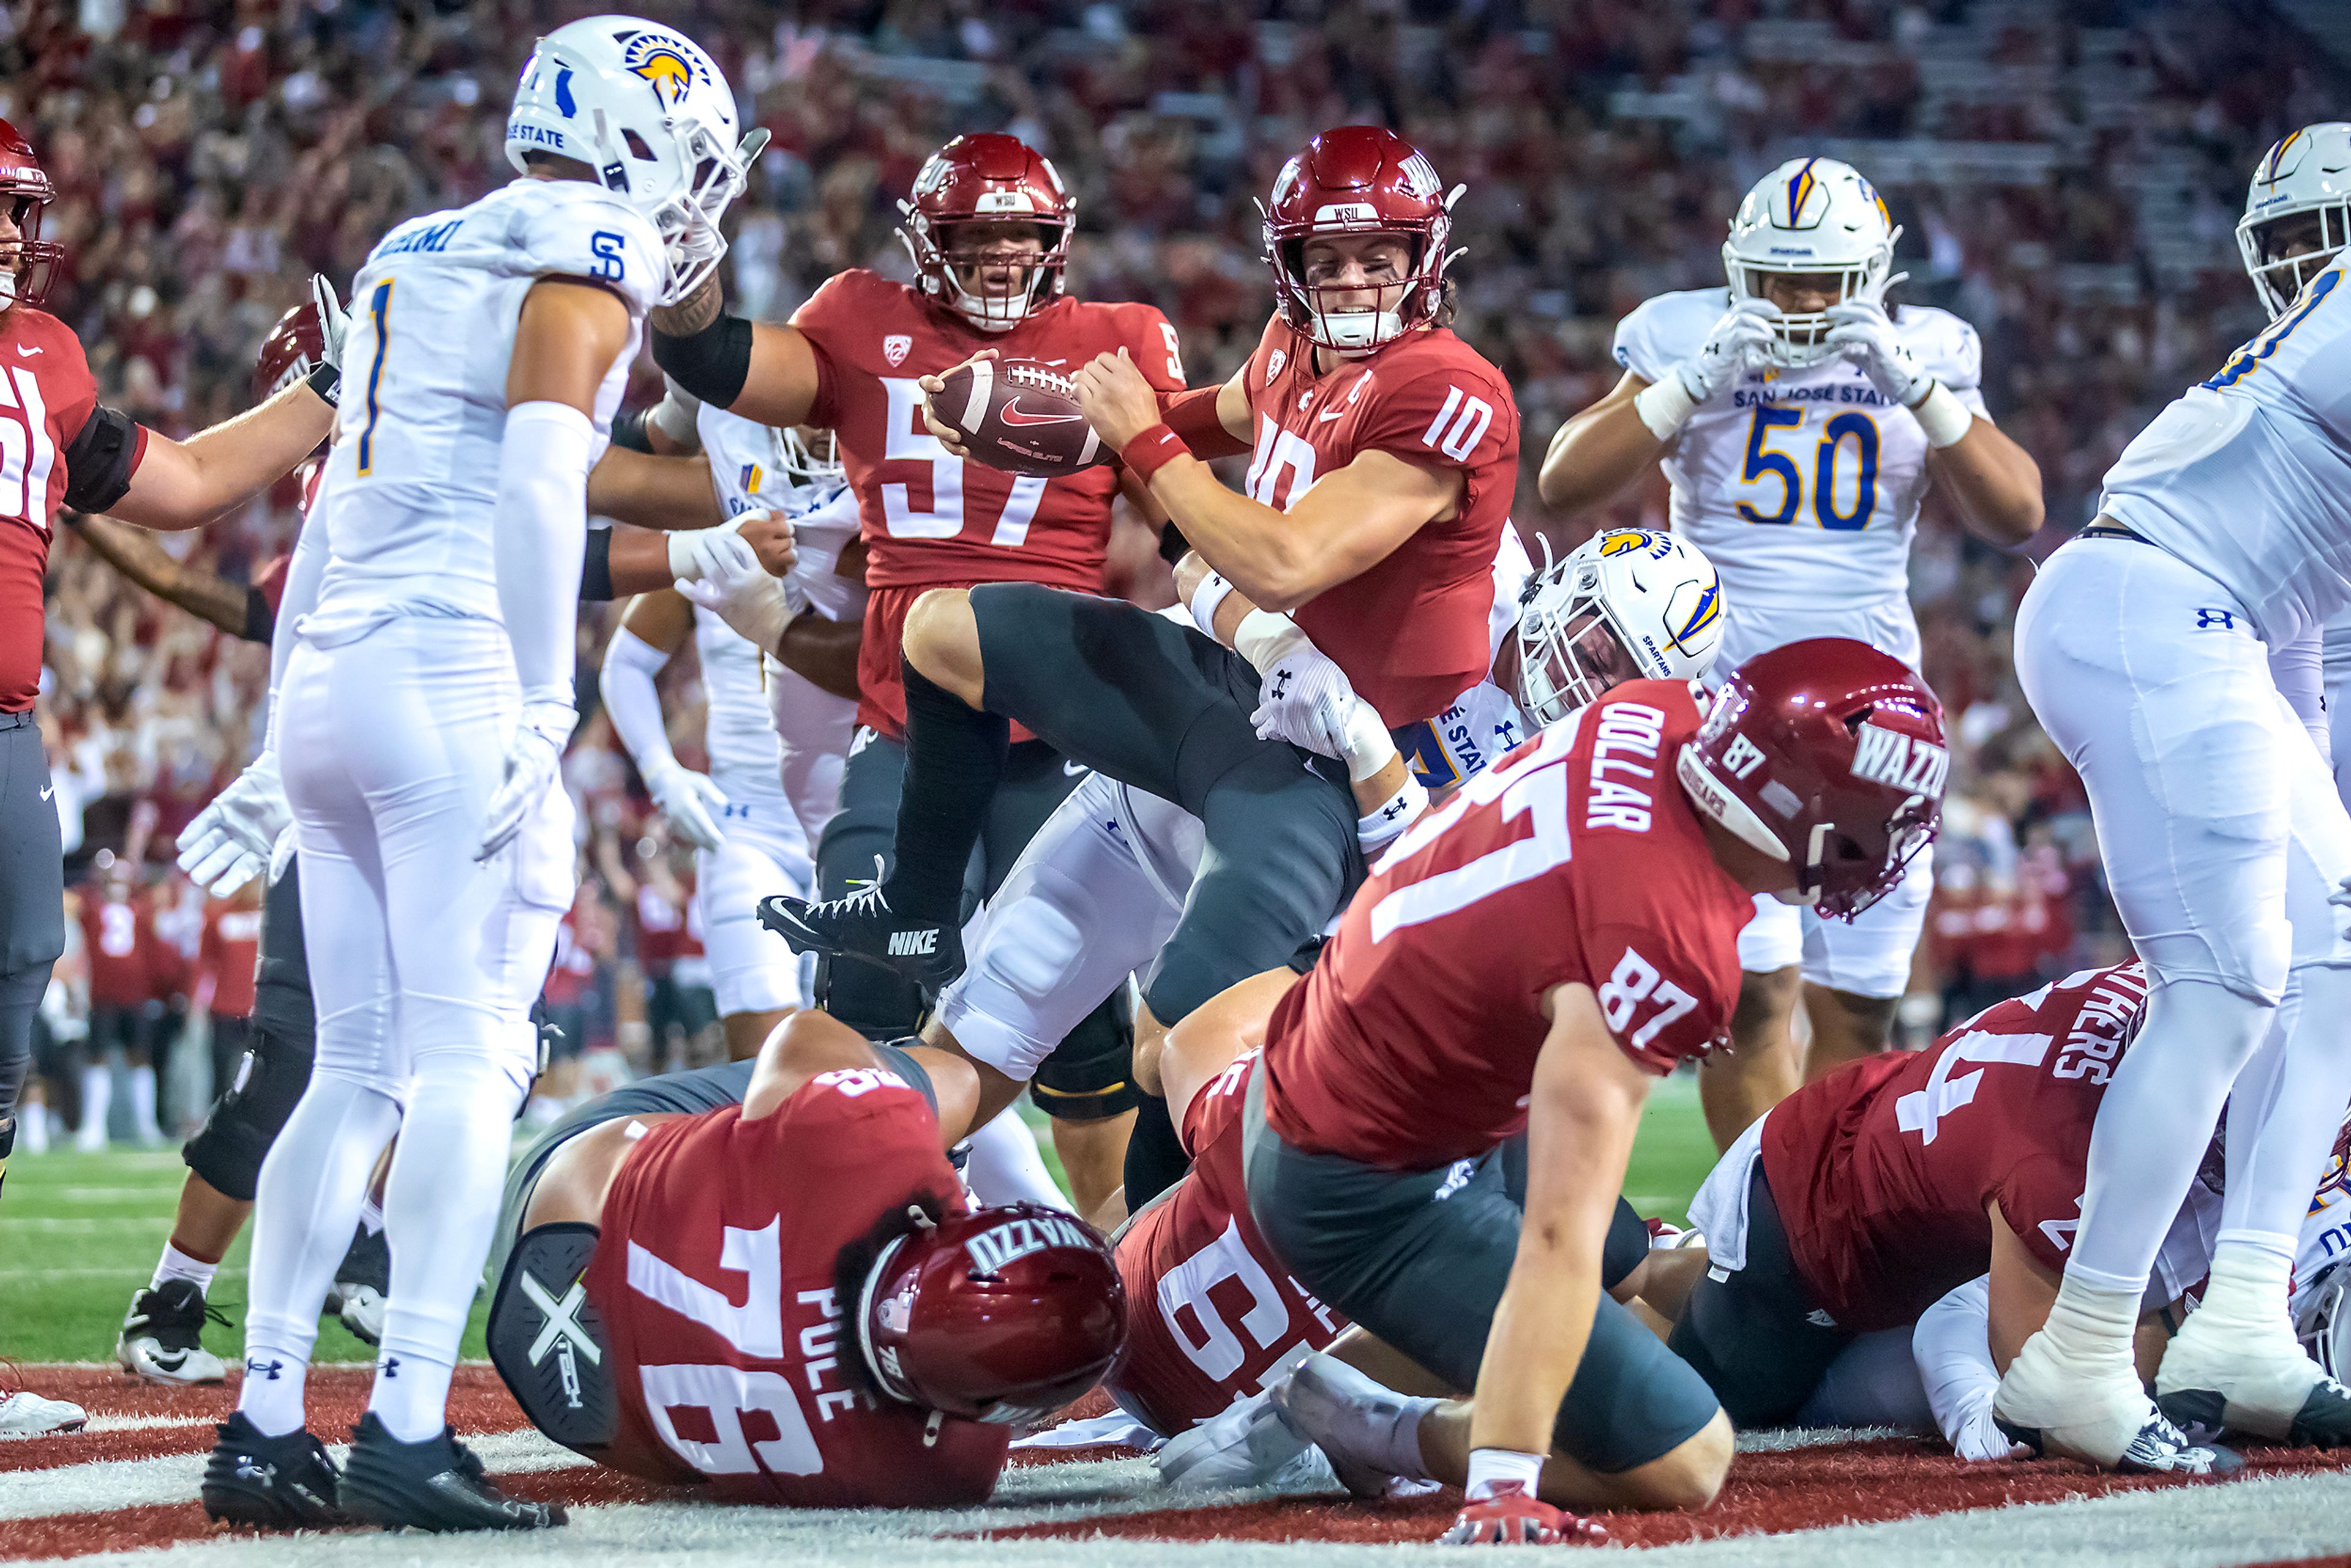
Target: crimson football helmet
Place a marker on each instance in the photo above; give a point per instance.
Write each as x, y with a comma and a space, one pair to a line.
1000, 1314
1358, 180
987, 178
1829, 755
28, 264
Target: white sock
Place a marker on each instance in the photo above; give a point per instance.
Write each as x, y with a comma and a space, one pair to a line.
96, 1100
177, 1264
1007, 1167
271, 1395
33, 1127
143, 1105
305, 1206
371, 1215
2094, 1325
2245, 1301
440, 1205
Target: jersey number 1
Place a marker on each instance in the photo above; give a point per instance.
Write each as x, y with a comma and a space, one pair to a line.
379, 314
27, 456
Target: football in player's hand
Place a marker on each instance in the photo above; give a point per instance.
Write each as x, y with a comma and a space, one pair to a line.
1019, 416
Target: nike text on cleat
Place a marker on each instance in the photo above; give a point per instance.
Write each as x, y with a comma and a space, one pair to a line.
436, 1485
862, 925
162, 1338
286, 1483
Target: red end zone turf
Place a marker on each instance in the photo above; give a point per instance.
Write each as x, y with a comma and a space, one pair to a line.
1800, 1488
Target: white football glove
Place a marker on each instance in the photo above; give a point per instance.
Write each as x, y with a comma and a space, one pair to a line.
229, 842
534, 756
334, 323
687, 799
739, 592
1741, 339
1307, 700
696, 554
1865, 334
1979, 1438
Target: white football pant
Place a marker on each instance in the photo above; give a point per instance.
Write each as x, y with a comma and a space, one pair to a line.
423, 964
1868, 955
751, 969
2222, 836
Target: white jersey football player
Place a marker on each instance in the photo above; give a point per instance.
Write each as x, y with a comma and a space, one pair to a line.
1098, 892
2146, 646
423, 681
1801, 423
743, 817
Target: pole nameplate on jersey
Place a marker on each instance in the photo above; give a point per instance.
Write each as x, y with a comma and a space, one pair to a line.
1900, 762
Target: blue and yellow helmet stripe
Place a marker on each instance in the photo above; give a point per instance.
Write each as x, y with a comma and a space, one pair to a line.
1801, 185
2277, 155
1708, 611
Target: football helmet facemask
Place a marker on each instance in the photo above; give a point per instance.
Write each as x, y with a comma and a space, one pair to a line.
28, 264
1810, 216
1359, 180
988, 179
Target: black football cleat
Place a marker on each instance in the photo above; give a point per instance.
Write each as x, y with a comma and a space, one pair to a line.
282, 1483
436, 1485
862, 925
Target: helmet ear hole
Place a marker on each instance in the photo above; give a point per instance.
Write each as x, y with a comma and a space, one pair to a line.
637, 148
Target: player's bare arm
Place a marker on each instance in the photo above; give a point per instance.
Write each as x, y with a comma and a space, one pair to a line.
763, 371
1585, 1102
570, 334
1600, 450
661, 619
810, 1043
187, 484
823, 652
139, 557
653, 492
1992, 483
1348, 523
2023, 1289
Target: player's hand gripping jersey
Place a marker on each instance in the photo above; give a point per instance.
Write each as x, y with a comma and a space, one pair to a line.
933, 519
1214, 1311
1802, 484
1881, 1171
1411, 632
714, 1278
1575, 858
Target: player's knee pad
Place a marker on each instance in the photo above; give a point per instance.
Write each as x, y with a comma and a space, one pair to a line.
1089, 1077
227, 1151
548, 1342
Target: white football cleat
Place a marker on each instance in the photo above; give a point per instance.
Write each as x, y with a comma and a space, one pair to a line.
2268, 1390
2055, 1406
27, 1414
1245, 1445
1355, 1421
162, 1338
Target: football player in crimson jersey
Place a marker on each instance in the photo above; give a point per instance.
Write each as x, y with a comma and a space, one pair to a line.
1861, 1200
63, 448
888, 1337
1528, 959
988, 225
1386, 457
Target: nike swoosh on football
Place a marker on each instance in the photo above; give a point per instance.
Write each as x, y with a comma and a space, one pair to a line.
1014, 415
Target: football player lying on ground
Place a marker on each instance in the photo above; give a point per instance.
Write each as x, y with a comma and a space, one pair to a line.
1216, 1315
1525, 959
888, 1335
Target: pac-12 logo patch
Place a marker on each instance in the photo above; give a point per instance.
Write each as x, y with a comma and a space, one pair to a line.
895, 348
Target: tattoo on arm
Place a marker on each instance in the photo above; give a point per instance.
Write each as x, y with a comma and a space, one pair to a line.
689, 314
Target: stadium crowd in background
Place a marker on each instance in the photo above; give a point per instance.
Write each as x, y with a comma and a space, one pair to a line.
2067, 178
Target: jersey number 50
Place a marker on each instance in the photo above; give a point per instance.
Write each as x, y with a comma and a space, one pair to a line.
1763, 463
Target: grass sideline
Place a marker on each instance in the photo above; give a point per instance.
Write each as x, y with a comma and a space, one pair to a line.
79, 1233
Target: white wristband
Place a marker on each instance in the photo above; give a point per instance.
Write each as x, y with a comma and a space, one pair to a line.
1381, 826
1491, 1468
1213, 592
1665, 407
1942, 416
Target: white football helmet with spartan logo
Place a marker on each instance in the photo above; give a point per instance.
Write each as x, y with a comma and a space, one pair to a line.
643, 106
1627, 604
1811, 215
2308, 173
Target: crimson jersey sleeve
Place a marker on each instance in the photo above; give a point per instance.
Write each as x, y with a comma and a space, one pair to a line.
1453, 412
822, 318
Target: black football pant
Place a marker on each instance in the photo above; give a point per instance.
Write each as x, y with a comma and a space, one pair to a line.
32, 905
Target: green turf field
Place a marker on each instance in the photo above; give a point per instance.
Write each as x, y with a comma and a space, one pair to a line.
79, 1232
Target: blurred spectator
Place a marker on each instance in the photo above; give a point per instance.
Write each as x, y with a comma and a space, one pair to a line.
225, 957
127, 960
